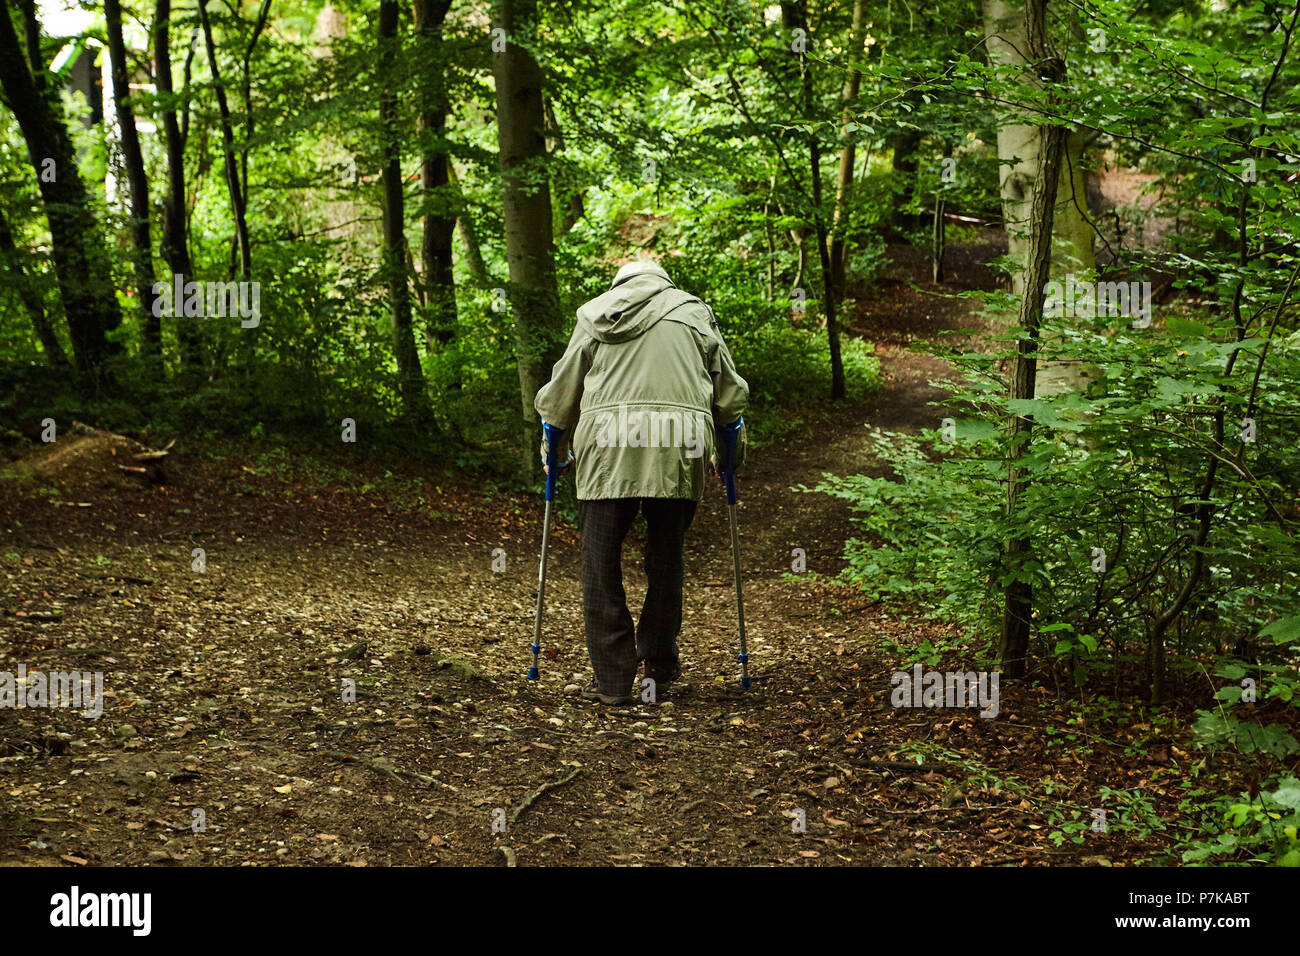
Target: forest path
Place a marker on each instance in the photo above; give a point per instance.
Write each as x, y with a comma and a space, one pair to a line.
224, 689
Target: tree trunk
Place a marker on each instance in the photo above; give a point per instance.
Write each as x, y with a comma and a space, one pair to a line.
469, 235
174, 243
903, 169
1018, 610
32, 39
830, 297
12, 259
938, 230
77, 243
246, 88
137, 182
530, 243
415, 405
569, 195
938, 237
848, 153
233, 185
795, 16
1018, 144
438, 200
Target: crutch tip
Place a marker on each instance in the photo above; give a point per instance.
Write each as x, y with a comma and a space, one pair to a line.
533, 673
746, 683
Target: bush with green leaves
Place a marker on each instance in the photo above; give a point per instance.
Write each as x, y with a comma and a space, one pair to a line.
1262, 825
1119, 481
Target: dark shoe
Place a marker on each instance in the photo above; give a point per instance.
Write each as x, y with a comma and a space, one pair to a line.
662, 674
609, 700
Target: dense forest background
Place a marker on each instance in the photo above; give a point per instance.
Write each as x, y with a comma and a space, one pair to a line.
226, 222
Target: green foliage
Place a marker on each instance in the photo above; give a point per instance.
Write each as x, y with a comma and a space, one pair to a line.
1260, 825
1264, 828
1118, 471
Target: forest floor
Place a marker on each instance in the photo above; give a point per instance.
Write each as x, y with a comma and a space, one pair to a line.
223, 689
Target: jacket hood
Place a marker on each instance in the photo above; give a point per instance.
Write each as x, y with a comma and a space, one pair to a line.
633, 303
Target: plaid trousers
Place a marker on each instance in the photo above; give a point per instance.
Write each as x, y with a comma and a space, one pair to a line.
614, 646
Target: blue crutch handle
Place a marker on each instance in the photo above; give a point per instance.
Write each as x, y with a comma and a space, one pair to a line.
728, 435
554, 434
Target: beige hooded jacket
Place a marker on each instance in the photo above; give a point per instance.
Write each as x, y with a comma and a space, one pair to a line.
645, 380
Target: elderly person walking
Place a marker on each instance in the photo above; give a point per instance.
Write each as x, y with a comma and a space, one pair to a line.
645, 381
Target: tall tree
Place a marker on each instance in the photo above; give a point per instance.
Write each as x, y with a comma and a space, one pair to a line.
246, 89
137, 181
465, 227
234, 187
1018, 608
848, 153
904, 165
1018, 144
794, 15
410, 375
438, 199
530, 242
76, 239
174, 245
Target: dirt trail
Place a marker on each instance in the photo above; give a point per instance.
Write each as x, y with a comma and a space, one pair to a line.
224, 688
